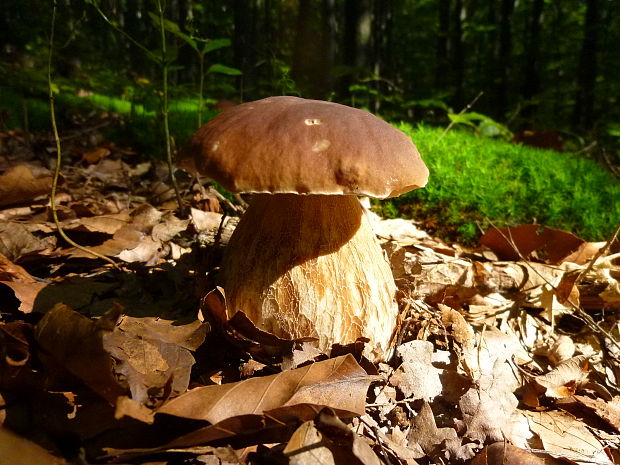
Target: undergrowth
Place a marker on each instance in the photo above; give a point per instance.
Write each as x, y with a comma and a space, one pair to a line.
474, 178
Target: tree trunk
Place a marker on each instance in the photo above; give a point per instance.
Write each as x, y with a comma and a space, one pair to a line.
442, 52
531, 73
458, 55
356, 40
244, 43
583, 111
504, 56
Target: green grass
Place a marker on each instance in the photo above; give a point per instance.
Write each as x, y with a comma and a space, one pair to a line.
474, 178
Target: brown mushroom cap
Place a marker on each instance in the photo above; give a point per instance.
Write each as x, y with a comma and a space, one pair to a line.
294, 145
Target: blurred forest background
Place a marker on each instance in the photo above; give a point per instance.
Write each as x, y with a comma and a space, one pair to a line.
540, 72
539, 63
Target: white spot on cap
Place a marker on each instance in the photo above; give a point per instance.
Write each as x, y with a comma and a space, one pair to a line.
215, 146
312, 121
321, 145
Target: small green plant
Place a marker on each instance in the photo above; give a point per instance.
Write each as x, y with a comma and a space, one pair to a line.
481, 124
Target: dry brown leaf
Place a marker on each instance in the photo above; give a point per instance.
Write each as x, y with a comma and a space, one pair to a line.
427, 439
16, 241
608, 411
566, 377
96, 155
19, 185
107, 224
339, 383
512, 243
23, 285
487, 407
307, 447
204, 221
17, 450
561, 433
149, 356
169, 228
75, 343
502, 453
416, 377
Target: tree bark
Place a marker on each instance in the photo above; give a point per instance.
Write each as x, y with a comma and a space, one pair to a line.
441, 54
504, 56
531, 73
583, 112
458, 54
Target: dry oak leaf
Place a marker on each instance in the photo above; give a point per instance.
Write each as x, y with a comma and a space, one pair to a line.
75, 342
426, 439
488, 407
339, 383
416, 377
17, 450
19, 184
328, 440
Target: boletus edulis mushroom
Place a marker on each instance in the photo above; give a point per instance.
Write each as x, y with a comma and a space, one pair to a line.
303, 261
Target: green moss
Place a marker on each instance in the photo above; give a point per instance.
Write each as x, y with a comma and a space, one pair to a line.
474, 178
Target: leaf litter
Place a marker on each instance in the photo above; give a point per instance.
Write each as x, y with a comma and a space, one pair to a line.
506, 352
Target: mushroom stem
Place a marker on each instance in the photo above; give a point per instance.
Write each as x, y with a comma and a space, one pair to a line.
311, 266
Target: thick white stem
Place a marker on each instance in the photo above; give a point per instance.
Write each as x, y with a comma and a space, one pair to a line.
310, 265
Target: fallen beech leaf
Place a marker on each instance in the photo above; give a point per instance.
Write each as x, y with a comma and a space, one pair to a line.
127, 407
18, 450
416, 377
501, 453
566, 377
75, 342
561, 433
204, 221
584, 253
608, 411
19, 185
16, 241
527, 238
339, 383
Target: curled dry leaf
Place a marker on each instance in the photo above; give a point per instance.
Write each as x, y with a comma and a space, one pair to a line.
23, 285
339, 383
19, 184
16, 241
565, 378
608, 411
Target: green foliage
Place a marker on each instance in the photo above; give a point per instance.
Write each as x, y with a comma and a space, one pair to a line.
473, 178
481, 124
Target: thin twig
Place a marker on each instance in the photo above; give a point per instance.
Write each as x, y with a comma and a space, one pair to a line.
61, 232
467, 108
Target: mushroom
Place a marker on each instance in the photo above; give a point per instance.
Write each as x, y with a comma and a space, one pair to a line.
304, 261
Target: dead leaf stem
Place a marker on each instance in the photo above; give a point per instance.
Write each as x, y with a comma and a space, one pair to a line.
61, 232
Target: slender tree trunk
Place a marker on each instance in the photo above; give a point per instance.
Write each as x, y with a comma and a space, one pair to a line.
531, 73
244, 43
442, 52
458, 54
379, 48
330, 25
356, 39
583, 112
504, 56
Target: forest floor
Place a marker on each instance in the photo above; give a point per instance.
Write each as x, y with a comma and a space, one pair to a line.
505, 352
